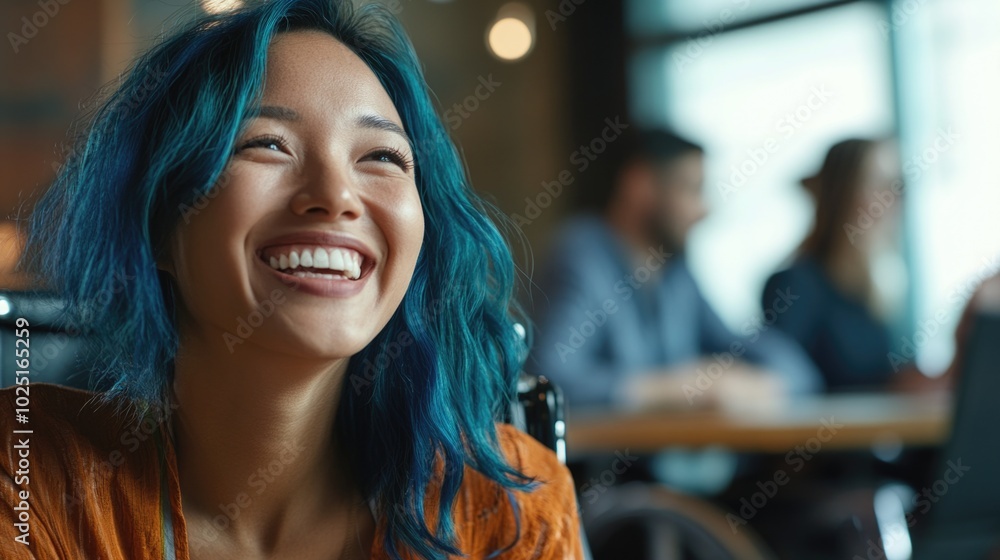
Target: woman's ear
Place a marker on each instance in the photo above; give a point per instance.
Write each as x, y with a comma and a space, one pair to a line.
166, 255
165, 263
167, 285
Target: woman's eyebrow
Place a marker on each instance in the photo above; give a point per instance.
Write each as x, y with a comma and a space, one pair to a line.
382, 123
377, 122
276, 112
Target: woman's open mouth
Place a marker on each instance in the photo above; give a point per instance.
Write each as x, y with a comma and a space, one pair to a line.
320, 263
316, 261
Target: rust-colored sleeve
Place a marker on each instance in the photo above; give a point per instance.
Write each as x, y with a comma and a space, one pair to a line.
91, 481
485, 523
549, 524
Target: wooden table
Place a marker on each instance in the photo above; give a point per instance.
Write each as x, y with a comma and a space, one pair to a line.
857, 421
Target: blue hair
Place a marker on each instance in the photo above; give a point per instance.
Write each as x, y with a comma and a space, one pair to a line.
409, 408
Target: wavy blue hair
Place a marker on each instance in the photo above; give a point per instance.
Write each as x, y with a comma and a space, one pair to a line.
162, 140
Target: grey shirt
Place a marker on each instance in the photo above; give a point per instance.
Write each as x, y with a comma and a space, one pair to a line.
599, 318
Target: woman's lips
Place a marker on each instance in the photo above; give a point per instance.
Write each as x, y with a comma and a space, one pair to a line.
324, 263
319, 284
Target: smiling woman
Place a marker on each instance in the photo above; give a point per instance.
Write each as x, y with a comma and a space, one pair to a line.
290, 216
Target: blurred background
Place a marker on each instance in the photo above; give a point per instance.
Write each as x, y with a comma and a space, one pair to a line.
534, 92
729, 73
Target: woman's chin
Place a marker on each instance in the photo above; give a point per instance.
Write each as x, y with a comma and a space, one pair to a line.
328, 348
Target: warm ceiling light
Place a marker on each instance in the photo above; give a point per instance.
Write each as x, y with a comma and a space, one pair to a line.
512, 34
220, 6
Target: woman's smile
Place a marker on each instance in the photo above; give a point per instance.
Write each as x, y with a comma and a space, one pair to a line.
322, 263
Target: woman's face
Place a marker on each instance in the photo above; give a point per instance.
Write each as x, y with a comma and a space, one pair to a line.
879, 189
312, 236
879, 173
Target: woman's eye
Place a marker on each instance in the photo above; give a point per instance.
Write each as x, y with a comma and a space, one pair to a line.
393, 156
272, 143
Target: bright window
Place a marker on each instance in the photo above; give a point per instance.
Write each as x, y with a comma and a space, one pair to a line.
768, 99
649, 17
766, 102
951, 79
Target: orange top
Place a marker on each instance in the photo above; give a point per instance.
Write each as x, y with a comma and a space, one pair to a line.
91, 486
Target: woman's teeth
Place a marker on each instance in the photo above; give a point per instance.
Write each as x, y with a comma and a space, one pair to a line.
341, 262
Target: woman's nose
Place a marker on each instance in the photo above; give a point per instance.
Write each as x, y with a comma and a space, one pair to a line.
330, 189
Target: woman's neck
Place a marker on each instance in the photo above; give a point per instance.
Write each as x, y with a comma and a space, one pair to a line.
850, 271
256, 443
